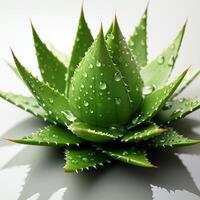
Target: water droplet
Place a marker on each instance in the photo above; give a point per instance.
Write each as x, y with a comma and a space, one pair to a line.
91, 111
148, 89
82, 86
102, 85
90, 66
160, 60
167, 106
85, 75
117, 76
117, 100
85, 159
98, 64
51, 101
69, 116
176, 113
125, 153
171, 61
86, 103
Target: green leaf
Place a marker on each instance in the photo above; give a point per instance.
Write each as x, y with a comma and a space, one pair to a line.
170, 139
50, 136
51, 100
157, 72
79, 159
128, 155
95, 96
145, 133
94, 134
155, 101
52, 70
83, 41
28, 104
177, 109
138, 42
189, 78
128, 72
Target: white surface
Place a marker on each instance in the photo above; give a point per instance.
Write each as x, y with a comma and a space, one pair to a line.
56, 21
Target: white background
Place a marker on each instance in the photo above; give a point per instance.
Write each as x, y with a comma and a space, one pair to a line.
56, 22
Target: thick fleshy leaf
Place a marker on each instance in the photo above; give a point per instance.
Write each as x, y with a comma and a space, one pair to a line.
189, 78
52, 70
128, 155
177, 109
156, 100
79, 159
97, 92
128, 72
83, 41
149, 131
55, 104
170, 139
157, 72
28, 104
94, 134
50, 136
138, 42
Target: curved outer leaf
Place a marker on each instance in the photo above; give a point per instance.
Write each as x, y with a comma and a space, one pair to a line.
51, 100
128, 155
149, 131
128, 72
79, 159
189, 78
177, 109
156, 100
50, 136
170, 139
94, 134
138, 41
94, 94
52, 70
156, 73
28, 104
83, 41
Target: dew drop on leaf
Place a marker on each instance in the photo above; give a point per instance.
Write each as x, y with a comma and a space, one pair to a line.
90, 66
160, 60
102, 85
171, 61
117, 100
117, 76
148, 89
98, 64
167, 106
86, 103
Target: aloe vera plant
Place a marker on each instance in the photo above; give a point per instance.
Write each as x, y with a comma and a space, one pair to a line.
109, 102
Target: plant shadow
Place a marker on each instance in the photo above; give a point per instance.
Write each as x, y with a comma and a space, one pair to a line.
119, 181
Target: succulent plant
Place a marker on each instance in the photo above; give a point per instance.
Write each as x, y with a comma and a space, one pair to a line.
107, 103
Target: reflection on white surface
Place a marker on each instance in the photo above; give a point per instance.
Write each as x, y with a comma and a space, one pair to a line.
58, 195
34, 197
162, 194
192, 163
9, 152
12, 181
